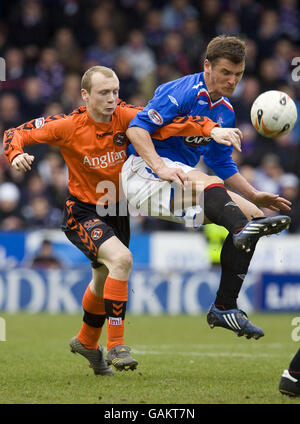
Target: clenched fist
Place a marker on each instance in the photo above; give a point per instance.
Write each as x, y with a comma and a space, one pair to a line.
22, 162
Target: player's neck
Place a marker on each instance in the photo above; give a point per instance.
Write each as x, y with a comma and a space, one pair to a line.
99, 118
213, 94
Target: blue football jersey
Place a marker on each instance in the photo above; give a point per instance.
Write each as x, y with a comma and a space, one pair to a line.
189, 96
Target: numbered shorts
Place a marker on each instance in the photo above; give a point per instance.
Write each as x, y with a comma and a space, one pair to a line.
147, 195
87, 230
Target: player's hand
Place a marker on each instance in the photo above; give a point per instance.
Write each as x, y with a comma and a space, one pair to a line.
228, 136
22, 162
271, 201
176, 175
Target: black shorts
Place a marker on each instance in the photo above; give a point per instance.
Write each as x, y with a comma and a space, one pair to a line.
87, 230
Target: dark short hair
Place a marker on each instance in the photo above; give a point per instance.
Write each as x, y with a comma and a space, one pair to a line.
226, 47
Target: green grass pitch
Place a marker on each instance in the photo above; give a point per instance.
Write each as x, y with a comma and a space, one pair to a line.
181, 361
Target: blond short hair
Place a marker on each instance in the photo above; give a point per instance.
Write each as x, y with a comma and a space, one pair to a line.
86, 80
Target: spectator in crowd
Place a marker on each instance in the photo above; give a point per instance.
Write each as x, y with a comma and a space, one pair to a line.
35, 187
32, 103
10, 216
289, 17
106, 17
193, 42
291, 91
45, 257
15, 70
289, 188
137, 12
249, 139
137, 99
166, 72
18, 178
248, 13
50, 73
269, 173
58, 188
283, 56
104, 52
286, 152
139, 55
173, 53
251, 58
68, 52
268, 32
269, 74
210, 10
50, 165
68, 97
53, 108
29, 24
3, 39
228, 24
128, 83
10, 113
40, 214
250, 89
175, 12
154, 32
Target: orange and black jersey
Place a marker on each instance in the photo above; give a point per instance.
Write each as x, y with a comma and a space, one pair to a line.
93, 151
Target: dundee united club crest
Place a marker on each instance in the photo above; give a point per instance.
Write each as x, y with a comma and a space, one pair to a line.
120, 139
96, 234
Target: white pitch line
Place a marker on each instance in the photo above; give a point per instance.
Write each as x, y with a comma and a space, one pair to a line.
211, 354
206, 345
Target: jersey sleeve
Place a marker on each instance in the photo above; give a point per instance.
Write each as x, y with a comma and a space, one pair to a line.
218, 157
127, 112
170, 100
53, 130
184, 126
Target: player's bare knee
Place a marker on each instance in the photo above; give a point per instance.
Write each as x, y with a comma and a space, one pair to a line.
212, 180
123, 262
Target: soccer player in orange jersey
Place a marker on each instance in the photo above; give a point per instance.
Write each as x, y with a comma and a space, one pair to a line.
93, 144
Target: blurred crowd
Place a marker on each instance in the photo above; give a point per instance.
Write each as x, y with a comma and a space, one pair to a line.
48, 44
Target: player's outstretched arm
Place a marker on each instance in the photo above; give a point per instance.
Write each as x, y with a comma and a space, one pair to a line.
54, 130
260, 198
185, 126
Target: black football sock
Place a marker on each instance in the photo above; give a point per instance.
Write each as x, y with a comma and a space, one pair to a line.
235, 264
294, 368
220, 209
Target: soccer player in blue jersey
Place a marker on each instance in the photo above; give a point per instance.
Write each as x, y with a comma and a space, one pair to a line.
163, 163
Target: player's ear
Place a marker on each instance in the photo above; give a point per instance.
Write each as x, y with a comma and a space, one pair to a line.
84, 94
207, 66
